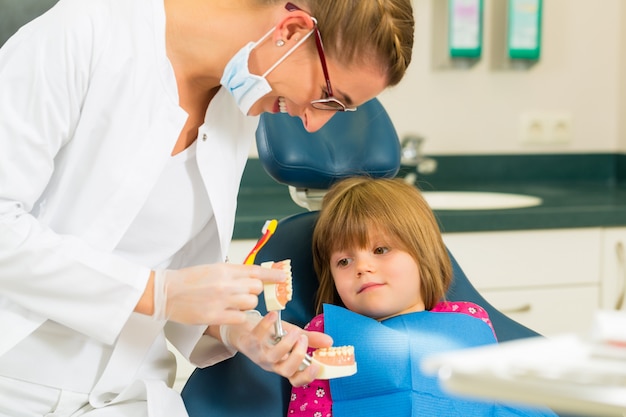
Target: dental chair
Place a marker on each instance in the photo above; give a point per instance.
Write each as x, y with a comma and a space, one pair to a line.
360, 143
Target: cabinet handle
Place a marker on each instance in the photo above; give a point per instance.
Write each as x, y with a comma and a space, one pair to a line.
525, 308
619, 251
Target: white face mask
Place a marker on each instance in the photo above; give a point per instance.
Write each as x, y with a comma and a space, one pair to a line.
248, 88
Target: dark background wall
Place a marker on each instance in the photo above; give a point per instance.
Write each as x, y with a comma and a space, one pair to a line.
14, 13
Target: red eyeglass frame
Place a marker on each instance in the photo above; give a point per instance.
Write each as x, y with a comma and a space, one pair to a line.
331, 102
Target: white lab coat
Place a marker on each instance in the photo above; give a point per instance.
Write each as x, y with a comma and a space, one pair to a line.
88, 118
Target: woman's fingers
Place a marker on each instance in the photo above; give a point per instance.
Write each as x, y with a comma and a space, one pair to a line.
306, 376
260, 273
316, 339
203, 294
291, 367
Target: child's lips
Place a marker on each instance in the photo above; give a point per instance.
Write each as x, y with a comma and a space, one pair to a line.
368, 286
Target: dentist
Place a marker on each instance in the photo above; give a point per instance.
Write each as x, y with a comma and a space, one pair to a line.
125, 127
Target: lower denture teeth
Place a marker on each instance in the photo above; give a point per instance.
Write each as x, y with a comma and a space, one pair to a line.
335, 362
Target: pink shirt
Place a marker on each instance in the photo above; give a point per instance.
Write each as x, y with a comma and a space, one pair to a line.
314, 399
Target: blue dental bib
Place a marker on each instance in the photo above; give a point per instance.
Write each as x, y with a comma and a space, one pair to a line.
389, 381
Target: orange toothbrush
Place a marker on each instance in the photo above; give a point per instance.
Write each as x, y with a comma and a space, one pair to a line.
268, 230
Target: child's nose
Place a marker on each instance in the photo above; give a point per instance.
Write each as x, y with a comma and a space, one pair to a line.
364, 265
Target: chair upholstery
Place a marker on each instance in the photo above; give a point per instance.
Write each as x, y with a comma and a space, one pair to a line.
360, 143
351, 143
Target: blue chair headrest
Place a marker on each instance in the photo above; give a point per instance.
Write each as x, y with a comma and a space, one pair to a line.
364, 142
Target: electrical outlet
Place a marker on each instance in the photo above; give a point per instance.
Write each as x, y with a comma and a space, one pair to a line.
545, 128
558, 128
531, 128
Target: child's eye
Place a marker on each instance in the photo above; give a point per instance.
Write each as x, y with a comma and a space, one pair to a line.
343, 262
381, 250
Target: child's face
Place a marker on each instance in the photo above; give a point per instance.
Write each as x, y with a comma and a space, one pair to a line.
379, 281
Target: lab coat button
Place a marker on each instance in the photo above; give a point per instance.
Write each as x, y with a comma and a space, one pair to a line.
204, 137
104, 398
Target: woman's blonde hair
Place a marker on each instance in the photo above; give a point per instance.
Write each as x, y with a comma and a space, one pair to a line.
363, 31
354, 208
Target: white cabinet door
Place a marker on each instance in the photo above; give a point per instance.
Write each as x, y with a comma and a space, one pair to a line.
614, 269
528, 258
549, 311
548, 280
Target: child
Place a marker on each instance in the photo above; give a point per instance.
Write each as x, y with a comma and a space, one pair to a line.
384, 271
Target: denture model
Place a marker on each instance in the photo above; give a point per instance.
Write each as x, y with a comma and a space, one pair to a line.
277, 295
336, 362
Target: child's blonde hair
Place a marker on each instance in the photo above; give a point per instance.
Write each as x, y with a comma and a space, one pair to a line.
356, 207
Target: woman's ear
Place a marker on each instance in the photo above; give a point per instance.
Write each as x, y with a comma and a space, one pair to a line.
293, 26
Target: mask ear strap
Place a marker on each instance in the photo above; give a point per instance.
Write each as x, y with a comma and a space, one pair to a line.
269, 32
293, 48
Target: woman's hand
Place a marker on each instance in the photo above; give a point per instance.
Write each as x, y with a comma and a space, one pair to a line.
255, 339
210, 294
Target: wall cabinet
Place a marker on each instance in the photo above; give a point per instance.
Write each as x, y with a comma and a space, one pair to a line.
549, 280
614, 269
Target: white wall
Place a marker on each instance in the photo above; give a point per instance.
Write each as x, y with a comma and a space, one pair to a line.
581, 72
622, 81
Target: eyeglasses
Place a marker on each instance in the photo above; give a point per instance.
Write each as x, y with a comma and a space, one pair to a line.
330, 102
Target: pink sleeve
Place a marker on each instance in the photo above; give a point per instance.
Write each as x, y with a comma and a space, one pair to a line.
312, 400
464, 307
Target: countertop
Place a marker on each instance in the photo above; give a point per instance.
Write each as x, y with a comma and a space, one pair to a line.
580, 190
564, 205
